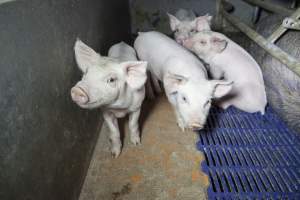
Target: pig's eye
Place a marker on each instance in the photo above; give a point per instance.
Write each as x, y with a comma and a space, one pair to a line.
207, 103
111, 80
193, 31
184, 99
202, 42
174, 93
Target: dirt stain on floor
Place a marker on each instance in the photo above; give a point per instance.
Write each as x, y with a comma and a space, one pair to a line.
125, 190
166, 165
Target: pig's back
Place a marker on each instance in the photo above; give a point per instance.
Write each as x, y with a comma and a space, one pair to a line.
123, 52
235, 61
160, 50
185, 15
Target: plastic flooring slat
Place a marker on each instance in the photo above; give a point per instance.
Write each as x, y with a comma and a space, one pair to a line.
250, 156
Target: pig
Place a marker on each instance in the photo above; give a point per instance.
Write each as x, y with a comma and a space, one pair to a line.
115, 84
228, 60
185, 24
184, 78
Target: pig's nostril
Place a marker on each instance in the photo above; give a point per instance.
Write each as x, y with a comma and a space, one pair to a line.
79, 96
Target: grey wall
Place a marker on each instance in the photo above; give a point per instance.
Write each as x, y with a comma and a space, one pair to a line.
46, 140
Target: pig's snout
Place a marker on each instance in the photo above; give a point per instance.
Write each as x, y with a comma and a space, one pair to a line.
196, 126
180, 40
79, 95
187, 43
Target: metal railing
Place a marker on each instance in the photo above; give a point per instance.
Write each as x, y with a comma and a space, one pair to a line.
267, 44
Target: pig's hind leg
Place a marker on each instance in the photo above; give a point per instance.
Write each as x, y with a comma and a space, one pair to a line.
227, 100
113, 126
224, 104
250, 100
152, 80
134, 127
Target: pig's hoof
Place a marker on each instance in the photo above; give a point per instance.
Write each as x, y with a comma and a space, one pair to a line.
223, 105
135, 140
115, 152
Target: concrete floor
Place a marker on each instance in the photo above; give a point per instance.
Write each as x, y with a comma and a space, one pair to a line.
166, 165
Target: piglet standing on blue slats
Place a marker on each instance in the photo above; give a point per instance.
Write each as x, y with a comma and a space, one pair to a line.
115, 83
228, 60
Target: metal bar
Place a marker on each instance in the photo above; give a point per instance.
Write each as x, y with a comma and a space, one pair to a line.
270, 7
277, 34
272, 49
290, 23
281, 30
219, 17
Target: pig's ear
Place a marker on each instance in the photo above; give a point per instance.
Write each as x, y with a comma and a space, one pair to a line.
135, 73
173, 81
220, 88
203, 22
85, 56
208, 18
173, 21
219, 44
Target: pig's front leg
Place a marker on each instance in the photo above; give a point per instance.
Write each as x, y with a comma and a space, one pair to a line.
113, 126
134, 127
179, 121
156, 83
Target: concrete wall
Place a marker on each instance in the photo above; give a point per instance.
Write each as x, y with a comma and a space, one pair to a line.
46, 141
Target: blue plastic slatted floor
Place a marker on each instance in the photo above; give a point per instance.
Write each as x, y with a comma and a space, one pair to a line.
250, 156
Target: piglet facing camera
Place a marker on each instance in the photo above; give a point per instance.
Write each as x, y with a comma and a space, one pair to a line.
230, 61
114, 84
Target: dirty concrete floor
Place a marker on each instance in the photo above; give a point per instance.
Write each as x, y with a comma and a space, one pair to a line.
166, 165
